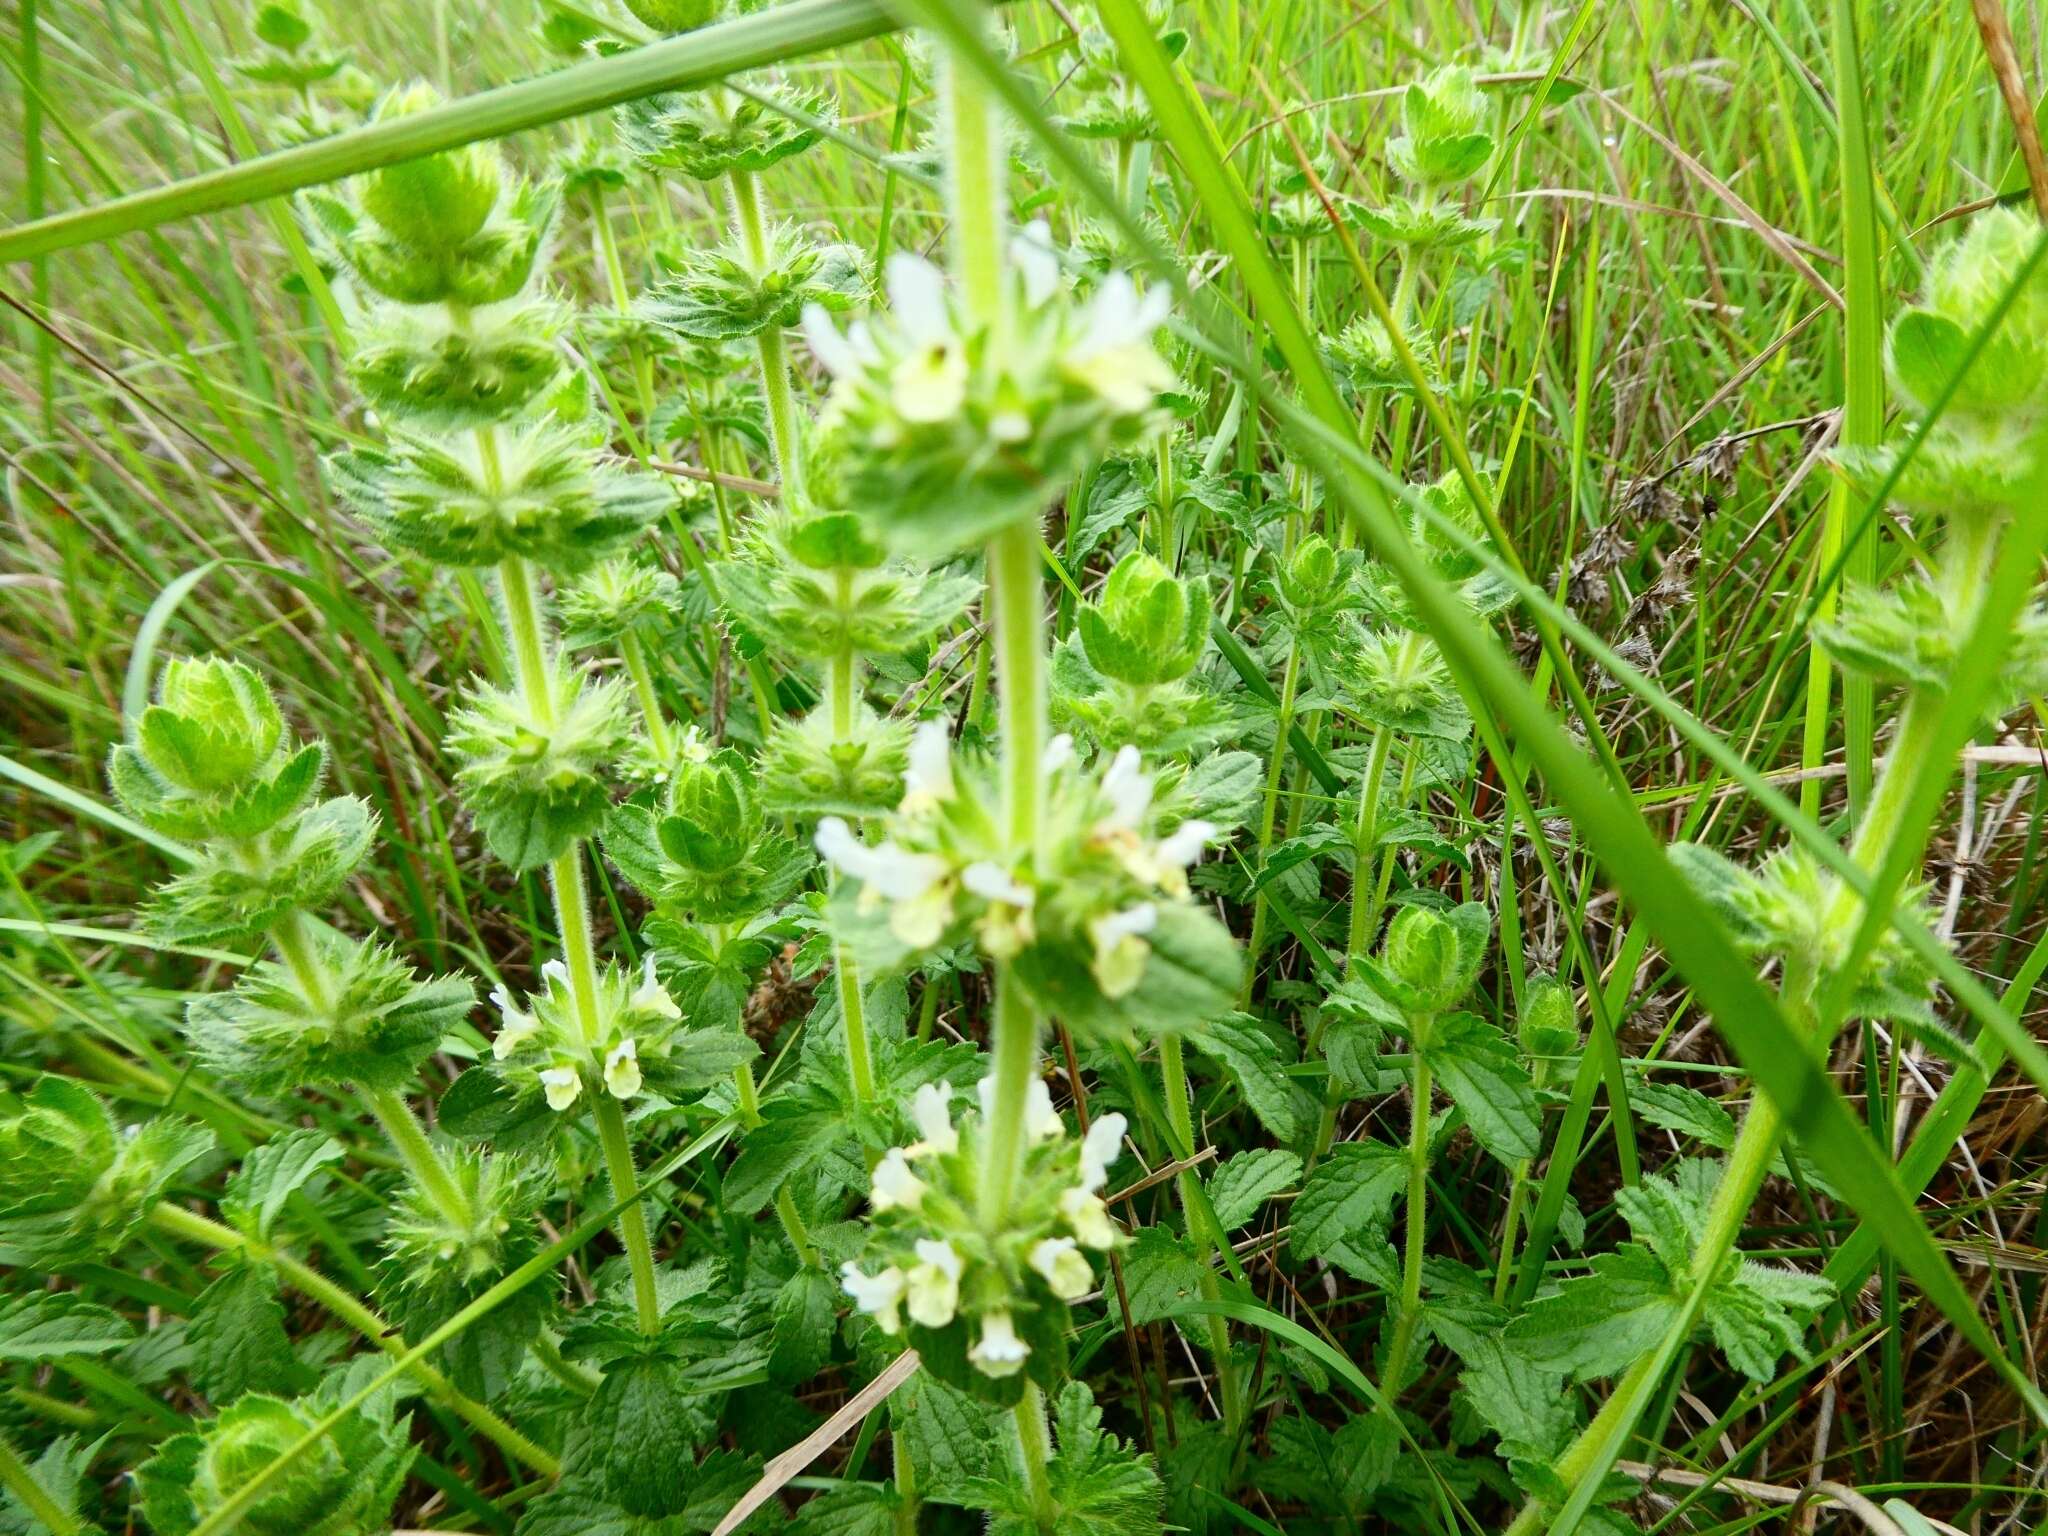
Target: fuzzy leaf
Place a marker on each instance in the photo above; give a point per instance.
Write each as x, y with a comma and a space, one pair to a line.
1240, 1185
1253, 1060
1350, 1193
270, 1173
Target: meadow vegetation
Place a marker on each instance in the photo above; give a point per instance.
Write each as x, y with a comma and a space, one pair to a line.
1075, 768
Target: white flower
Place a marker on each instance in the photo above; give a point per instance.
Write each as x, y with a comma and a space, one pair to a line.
561, 1084
1088, 1219
1064, 1268
888, 869
1184, 845
835, 353
622, 1069
992, 882
556, 975
893, 1184
929, 382
1041, 1121
931, 1113
1116, 358
1128, 791
1036, 262
1057, 754
693, 748
651, 997
1120, 948
1103, 1145
934, 1285
876, 1295
928, 776
998, 1352
515, 1026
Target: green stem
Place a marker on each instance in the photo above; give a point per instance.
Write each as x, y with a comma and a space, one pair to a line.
979, 165
519, 592
1268, 813
418, 1153
793, 1224
842, 691
1756, 1143
1013, 1041
176, 1221
293, 939
1180, 1120
618, 1161
1413, 1235
1364, 911
634, 655
1031, 1450
19, 1479
1019, 614
906, 1484
774, 355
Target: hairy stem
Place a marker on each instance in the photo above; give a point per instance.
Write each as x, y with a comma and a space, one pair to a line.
176, 1221
1180, 1120
1413, 1234
19, 1479
1031, 1450
774, 355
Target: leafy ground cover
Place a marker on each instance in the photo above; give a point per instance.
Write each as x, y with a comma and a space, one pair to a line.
1087, 768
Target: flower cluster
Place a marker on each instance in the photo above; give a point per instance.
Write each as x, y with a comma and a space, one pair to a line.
210, 762
1008, 1285
1082, 917
1444, 141
534, 779
545, 1047
952, 428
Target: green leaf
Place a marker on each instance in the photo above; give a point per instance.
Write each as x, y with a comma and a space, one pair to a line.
951, 1434
238, 1338
46, 1324
1479, 1068
805, 1312
788, 1140
1349, 1194
1255, 1062
1241, 1184
645, 1427
270, 1173
1601, 1323
1160, 1272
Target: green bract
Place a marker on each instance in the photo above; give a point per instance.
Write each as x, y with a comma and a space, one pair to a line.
73, 1184
813, 586
722, 293
532, 770
704, 852
820, 766
437, 200
984, 1306
950, 432
707, 134
534, 493
492, 264
446, 373
374, 1027
344, 1484
617, 597
1095, 920
1429, 960
635, 1042
1148, 627
1444, 121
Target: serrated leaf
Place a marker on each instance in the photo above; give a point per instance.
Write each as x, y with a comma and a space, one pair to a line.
1480, 1069
789, 1139
1349, 1193
805, 1312
1254, 1062
1600, 1323
238, 1339
1160, 1272
43, 1325
1241, 1184
270, 1173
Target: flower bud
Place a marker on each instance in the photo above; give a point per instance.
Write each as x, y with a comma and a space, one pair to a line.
436, 200
1310, 573
673, 15
1549, 1022
714, 814
214, 724
1149, 627
1446, 140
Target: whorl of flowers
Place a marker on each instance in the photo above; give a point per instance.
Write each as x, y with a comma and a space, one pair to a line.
934, 1265
956, 430
543, 1046
1076, 915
